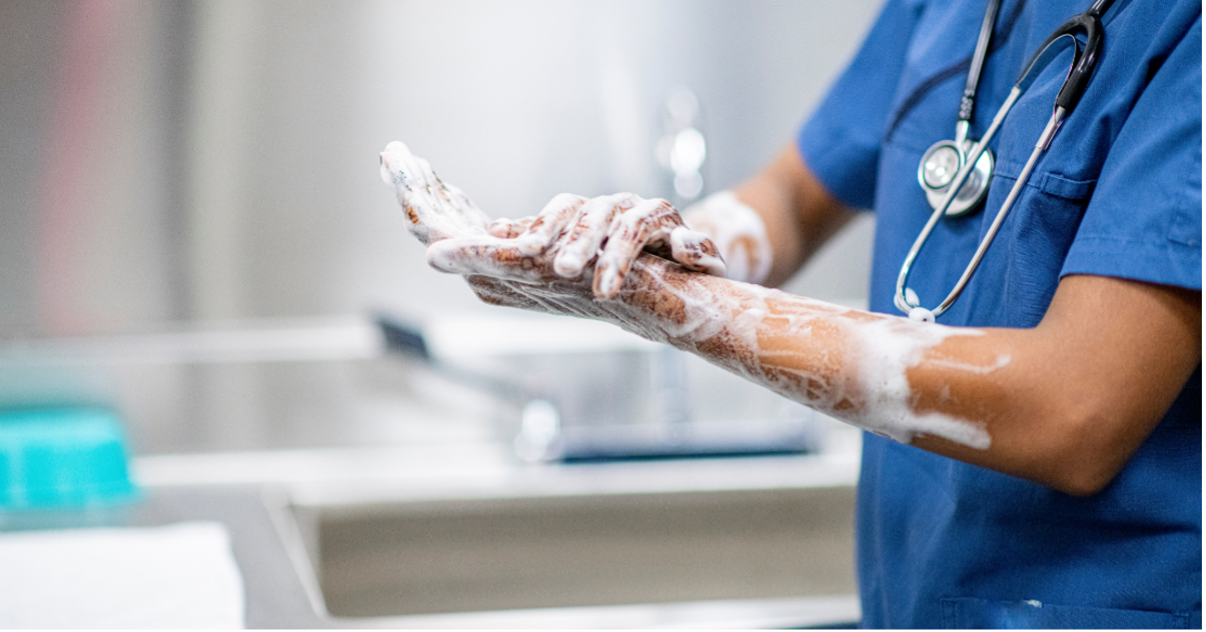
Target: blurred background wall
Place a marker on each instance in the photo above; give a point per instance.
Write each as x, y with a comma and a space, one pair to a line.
168, 163
216, 159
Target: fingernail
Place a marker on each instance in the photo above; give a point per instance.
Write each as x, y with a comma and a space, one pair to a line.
567, 265
714, 266
530, 245
605, 286
442, 258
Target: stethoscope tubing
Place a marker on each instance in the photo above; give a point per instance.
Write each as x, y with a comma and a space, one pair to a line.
1081, 70
973, 155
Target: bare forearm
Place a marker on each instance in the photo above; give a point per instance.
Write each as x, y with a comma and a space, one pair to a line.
1081, 391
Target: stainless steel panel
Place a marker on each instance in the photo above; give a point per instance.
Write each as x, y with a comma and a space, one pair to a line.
583, 551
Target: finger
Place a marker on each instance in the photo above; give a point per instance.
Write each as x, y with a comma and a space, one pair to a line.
649, 221
469, 215
433, 209
407, 174
551, 223
588, 233
487, 255
694, 250
504, 228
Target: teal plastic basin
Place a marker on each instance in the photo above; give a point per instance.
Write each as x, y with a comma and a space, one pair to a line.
63, 458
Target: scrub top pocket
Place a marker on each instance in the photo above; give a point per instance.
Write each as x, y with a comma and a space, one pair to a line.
984, 613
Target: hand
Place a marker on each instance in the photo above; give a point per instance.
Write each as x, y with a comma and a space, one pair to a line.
572, 236
653, 301
436, 211
609, 232
738, 232
503, 269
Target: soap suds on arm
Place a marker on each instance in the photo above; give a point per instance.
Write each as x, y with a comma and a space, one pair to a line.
849, 364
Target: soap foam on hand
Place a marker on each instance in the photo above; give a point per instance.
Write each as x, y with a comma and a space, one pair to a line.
435, 211
596, 238
849, 364
739, 233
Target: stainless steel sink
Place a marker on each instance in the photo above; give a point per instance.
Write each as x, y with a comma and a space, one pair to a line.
583, 539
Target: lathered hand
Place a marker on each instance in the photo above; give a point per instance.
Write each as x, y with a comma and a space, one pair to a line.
518, 263
503, 271
738, 232
843, 362
573, 238
609, 232
435, 211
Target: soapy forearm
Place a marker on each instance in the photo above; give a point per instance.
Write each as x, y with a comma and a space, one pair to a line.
1065, 404
1038, 404
1054, 404
849, 364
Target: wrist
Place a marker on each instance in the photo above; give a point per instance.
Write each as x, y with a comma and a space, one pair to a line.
738, 232
665, 302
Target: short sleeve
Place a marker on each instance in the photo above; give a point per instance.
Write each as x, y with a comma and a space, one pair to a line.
1144, 221
840, 142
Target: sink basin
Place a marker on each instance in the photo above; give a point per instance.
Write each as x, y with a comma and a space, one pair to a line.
552, 547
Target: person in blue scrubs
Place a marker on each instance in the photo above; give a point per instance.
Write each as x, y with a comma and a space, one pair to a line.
1118, 197
1081, 506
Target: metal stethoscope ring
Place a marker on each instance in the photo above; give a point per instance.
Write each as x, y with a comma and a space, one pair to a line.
1083, 63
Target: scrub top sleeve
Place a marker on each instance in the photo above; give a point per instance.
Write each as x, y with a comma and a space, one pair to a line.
840, 141
1144, 221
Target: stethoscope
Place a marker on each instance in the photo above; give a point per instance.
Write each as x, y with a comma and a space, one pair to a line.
955, 174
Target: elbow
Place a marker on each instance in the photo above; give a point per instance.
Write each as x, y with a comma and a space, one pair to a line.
1083, 482
1089, 450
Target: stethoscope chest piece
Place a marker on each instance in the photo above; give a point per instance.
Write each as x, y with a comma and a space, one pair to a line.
939, 165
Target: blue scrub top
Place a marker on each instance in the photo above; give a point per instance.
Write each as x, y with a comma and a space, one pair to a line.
1119, 193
